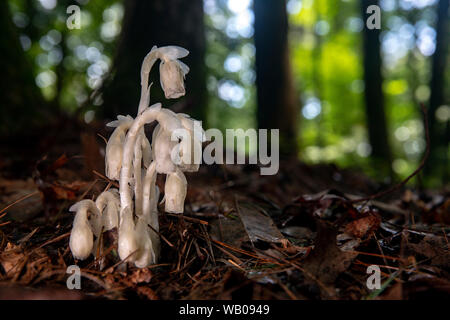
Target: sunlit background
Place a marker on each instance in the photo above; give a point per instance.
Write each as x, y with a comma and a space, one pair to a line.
325, 46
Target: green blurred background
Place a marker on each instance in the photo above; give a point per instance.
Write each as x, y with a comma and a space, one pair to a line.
326, 65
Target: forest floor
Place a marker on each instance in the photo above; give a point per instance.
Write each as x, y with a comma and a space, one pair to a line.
299, 234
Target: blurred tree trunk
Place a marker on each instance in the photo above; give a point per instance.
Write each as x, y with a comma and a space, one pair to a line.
157, 22
278, 104
439, 130
22, 105
373, 94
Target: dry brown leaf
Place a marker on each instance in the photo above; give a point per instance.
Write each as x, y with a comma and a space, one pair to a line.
141, 275
258, 225
326, 261
361, 227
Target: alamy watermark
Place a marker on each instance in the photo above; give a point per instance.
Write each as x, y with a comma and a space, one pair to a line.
74, 20
374, 20
374, 280
74, 280
188, 149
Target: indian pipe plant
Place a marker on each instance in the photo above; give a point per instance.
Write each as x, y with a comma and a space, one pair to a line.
134, 161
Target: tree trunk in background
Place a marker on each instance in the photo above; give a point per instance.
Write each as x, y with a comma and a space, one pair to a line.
21, 103
439, 131
373, 94
157, 22
278, 104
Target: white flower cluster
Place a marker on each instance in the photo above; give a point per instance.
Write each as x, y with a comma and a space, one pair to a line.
135, 162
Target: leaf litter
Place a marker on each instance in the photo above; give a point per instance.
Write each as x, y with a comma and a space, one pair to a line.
297, 235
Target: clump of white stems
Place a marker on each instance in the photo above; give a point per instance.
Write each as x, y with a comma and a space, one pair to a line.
131, 159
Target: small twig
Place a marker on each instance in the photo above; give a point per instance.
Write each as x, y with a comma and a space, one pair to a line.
28, 236
188, 218
285, 288
104, 139
208, 241
162, 237
121, 261
229, 254
65, 235
236, 265
250, 254
16, 202
88, 189
419, 168
376, 255
445, 236
381, 250
105, 178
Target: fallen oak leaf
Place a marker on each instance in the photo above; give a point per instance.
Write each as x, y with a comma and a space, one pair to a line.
432, 248
363, 226
326, 261
147, 292
258, 226
141, 275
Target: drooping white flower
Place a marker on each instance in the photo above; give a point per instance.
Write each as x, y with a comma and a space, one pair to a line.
108, 203
114, 147
163, 146
175, 192
128, 242
168, 120
190, 151
146, 253
85, 225
173, 71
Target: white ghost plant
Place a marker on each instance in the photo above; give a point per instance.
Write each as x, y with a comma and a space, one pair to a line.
134, 162
175, 192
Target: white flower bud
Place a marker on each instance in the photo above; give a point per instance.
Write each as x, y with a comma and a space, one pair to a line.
108, 203
81, 238
172, 74
146, 254
82, 235
114, 147
162, 147
128, 243
168, 120
191, 145
175, 192
172, 52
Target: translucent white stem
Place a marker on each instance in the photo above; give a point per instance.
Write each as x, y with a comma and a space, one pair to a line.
146, 151
128, 242
148, 249
147, 116
147, 65
137, 174
150, 201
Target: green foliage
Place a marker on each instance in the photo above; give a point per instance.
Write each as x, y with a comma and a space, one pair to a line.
68, 64
230, 60
326, 52
325, 40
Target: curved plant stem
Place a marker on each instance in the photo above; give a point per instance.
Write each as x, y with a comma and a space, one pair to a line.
147, 116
